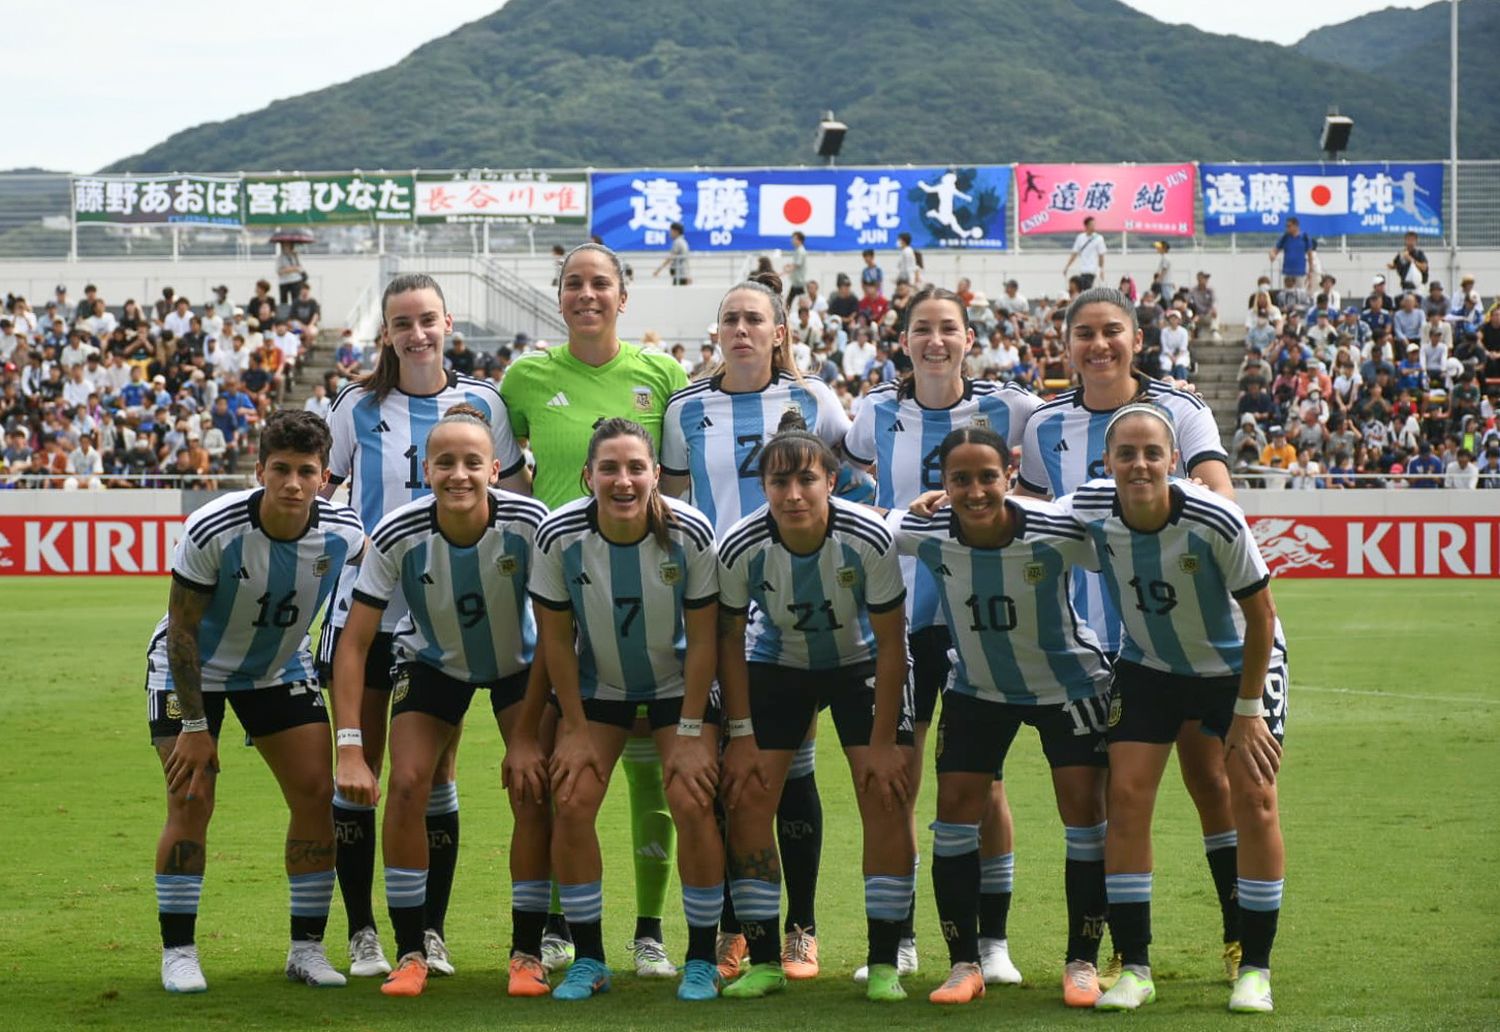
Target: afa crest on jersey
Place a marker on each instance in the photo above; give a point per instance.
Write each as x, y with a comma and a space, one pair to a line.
174, 706
507, 565
846, 576
1188, 564
1035, 573
980, 421
643, 399
671, 572
321, 564
401, 686
1116, 704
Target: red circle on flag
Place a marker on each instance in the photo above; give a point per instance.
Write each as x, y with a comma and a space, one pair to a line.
797, 210
1321, 195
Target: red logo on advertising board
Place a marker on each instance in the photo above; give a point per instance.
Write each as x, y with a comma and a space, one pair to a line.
44, 545
1375, 546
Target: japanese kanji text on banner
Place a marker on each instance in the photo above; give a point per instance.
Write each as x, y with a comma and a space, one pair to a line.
1155, 199
519, 198
1328, 200
356, 197
842, 209
146, 200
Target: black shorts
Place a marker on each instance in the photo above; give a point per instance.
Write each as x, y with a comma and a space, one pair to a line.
658, 713
1085, 280
419, 688
784, 700
261, 712
378, 662
974, 735
1151, 705
929, 668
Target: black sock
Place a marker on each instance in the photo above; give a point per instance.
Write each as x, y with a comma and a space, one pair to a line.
955, 886
407, 921
557, 926
909, 922
1224, 865
1257, 933
588, 939
702, 942
354, 831
442, 861
1130, 927
885, 937
648, 928
177, 929
526, 932
1083, 881
763, 939
729, 924
309, 929
799, 834
994, 912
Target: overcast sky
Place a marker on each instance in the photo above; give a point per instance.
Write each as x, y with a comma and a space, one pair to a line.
97, 80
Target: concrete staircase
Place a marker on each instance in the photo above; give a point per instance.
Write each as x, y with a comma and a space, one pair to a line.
1217, 376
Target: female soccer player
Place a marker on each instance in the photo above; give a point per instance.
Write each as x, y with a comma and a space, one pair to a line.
1201, 644
829, 629
712, 437
251, 571
1002, 566
899, 433
380, 427
458, 558
1063, 448
631, 577
555, 398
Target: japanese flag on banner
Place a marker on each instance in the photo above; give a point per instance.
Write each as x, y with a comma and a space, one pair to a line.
1320, 195
786, 208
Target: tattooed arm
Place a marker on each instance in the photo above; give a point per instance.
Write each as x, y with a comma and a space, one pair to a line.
195, 756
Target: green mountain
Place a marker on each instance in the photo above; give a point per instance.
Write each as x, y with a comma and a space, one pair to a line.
1409, 49
640, 82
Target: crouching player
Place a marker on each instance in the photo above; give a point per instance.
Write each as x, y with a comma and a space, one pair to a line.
1201, 642
1003, 567
251, 571
459, 558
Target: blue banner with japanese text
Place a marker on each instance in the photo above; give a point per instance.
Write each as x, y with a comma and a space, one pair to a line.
837, 209
1363, 198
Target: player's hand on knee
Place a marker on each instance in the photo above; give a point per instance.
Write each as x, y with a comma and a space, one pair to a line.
885, 773
523, 773
1251, 744
743, 768
193, 763
693, 763
573, 754
354, 779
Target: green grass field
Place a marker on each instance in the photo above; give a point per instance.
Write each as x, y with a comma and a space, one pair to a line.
1390, 800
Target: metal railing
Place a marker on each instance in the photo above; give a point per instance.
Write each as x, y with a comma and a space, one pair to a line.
133, 481
484, 292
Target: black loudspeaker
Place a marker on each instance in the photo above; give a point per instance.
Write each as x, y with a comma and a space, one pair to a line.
1336, 130
830, 136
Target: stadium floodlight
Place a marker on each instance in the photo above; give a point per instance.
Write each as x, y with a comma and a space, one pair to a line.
1336, 130
830, 137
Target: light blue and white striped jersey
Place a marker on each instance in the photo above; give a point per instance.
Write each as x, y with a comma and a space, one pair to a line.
900, 438
264, 591
1016, 637
715, 438
627, 600
1176, 589
1063, 449
378, 446
812, 611
468, 614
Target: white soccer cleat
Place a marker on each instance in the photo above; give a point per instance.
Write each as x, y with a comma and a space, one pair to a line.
995, 962
651, 959
1133, 991
438, 961
906, 962
1252, 992
180, 971
557, 952
366, 958
307, 962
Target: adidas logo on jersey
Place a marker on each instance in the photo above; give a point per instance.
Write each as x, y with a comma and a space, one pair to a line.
582, 578
706, 423
559, 400
764, 585
427, 579
943, 571
897, 428
382, 427
1060, 446
243, 574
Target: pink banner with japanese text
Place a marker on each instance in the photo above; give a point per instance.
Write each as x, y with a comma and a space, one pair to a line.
524, 198
1155, 199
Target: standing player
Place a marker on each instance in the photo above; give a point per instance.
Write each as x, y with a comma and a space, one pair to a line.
459, 560
1201, 644
1064, 448
380, 427
712, 438
899, 432
556, 397
631, 577
1022, 657
251, 571
829, 630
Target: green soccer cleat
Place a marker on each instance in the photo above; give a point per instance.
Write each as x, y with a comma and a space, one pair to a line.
1134, 990
1252, 992
884, 985
757, 981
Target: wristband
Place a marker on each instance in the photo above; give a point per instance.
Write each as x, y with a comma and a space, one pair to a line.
740, 728
1249, 708
350, 736
690, 728
195, 725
